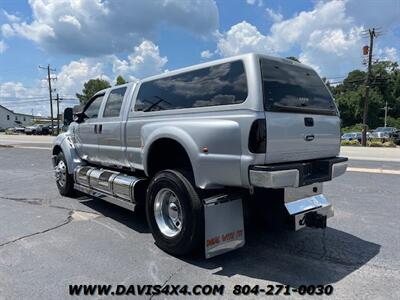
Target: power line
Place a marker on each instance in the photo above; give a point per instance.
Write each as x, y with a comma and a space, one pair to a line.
16, 104
35, 100
22, 100
27, 97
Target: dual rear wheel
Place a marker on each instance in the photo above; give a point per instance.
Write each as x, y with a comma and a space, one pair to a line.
174, 212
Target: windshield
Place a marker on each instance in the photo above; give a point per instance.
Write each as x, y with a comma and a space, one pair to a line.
291, 87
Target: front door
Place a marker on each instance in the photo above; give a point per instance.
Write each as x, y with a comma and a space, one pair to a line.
86, 134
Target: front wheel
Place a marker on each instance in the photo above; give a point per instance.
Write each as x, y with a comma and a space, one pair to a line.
64, 180
174, 212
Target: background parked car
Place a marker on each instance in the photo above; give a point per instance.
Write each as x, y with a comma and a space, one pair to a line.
396, 137
30, 129
19, 129
351, 136
383, 133
34, 129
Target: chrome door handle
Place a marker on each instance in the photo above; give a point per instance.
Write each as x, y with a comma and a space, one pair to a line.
95, 129
309, 137
100, 128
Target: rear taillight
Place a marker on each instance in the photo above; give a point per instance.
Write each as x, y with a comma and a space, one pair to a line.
258, 137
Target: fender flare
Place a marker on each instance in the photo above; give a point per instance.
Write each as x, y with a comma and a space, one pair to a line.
66, 144
169, 132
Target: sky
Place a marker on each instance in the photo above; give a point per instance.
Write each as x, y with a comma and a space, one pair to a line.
85, 39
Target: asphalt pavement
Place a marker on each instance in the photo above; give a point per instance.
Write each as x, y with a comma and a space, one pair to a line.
48, 242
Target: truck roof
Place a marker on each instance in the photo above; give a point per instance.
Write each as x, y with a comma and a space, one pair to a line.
208, 64
219, 61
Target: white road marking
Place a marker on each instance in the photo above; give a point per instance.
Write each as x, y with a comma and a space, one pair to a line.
31, 147
24, 142
374, 171
372, 158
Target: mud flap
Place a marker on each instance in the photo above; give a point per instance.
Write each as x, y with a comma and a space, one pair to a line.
224, 228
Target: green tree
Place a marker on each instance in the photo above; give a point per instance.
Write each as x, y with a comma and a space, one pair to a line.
385, 87
90, 88
120, 80
393, 122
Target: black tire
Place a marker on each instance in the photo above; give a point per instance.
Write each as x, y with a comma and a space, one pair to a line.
66, 188
191, 235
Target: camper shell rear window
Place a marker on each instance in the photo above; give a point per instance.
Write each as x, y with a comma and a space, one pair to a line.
291, 87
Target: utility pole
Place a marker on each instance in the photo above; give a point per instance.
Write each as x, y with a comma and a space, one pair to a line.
386, 109
50, 92
372, 35
58, 113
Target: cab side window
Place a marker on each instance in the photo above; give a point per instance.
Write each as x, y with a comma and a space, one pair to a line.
114, 103
92, 110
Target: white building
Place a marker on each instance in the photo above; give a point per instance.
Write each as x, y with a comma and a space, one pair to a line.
8, 118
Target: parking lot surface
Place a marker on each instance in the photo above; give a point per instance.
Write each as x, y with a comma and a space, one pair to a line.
48, 242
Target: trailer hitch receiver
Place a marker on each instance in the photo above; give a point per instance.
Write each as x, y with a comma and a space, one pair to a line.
315, 220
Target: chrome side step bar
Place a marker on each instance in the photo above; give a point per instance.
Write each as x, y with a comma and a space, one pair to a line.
105, 197
112, 186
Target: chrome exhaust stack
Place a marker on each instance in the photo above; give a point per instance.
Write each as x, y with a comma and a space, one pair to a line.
102, 182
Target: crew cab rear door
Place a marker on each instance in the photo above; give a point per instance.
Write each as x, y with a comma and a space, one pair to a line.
302, 121
110, 127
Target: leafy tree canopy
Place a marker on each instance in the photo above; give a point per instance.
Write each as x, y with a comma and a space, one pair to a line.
384, 87
90, 88
120, 80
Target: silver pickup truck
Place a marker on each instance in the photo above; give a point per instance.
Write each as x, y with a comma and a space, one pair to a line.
197, 145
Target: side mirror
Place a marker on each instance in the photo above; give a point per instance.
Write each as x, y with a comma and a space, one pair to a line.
68, 116
78, 114
79, 117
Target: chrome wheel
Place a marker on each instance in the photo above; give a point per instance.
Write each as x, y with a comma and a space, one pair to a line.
168, 212
61, 173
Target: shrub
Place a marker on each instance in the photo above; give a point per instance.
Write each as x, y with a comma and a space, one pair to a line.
350, 143
9, 131
378, 143
389, 144
374, 144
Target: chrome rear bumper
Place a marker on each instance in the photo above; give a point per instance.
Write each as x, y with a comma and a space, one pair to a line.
297, 174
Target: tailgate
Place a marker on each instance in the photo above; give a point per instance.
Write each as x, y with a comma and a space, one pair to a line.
296, 137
